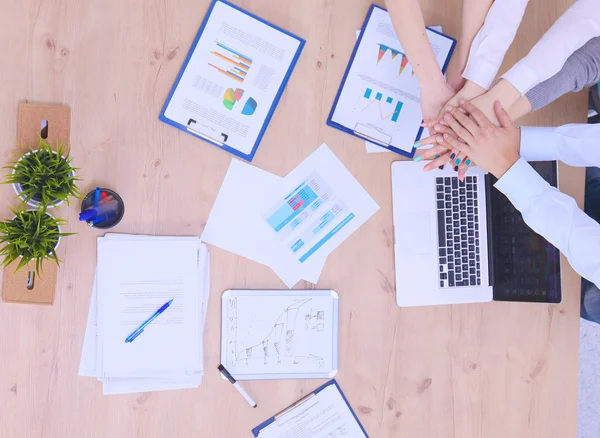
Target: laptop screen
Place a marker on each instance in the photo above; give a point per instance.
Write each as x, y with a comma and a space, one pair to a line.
524, 266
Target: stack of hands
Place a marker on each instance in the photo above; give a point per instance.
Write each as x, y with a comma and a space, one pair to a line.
478, 131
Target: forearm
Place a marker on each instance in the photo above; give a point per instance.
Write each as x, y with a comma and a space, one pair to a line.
581, 69
572, 30
575, 144
518, 109
556, 217
473, 16
491, 42
408, 22
504, 92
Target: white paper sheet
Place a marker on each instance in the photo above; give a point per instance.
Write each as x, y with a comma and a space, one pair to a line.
87, 364
381, 96
91, 364
232, 78
279, 335
318, 206
373, 148
134, 291
324, 415
235, 222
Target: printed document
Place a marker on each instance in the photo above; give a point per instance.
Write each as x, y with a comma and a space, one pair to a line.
232, 79
125, 294
373, 148
235, 222
323, 415
290, 224
318, 206
380, 97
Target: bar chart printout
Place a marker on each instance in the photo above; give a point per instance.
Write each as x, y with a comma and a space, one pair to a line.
384, 109
230, 62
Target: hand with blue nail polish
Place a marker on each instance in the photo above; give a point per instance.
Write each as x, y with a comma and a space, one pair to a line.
494, 148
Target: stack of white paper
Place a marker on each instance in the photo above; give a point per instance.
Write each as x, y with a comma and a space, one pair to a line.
135, 276
290, 224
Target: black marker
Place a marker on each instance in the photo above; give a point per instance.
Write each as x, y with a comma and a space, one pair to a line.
237, 386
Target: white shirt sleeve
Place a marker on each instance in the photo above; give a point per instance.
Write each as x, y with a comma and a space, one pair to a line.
573, 29
555, 216
493, 40
576, 145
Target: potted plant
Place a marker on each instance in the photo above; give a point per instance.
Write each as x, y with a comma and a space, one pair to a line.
31, 235
43, 176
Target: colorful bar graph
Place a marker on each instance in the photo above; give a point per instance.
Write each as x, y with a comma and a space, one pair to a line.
397, 112
243, 62
238, 54
240, 71
384, 110
240, 63
228, 74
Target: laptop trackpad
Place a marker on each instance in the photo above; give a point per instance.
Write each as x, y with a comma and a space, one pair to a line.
414, 233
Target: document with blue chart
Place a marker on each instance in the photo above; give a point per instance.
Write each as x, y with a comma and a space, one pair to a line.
379, 99
232, 79
318, 205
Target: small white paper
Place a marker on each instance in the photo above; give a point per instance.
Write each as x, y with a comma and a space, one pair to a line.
235, 222
318, 206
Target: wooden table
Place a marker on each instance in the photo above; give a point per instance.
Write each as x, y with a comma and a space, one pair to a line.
491, 370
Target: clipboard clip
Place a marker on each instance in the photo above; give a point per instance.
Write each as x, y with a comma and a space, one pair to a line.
294, 406
206, 136
363, 134
371, 139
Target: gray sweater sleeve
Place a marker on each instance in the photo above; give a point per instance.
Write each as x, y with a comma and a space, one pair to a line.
582, 69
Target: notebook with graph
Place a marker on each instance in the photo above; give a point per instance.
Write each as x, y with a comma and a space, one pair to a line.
379, 98
232, 79
272, 334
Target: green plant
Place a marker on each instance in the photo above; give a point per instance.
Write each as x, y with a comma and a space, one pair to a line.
44, 176
30, 235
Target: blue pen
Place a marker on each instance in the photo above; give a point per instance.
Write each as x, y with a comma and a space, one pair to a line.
93, 213
141, 328
96, 197
103, 218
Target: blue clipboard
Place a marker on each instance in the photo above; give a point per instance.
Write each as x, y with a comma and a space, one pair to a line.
223, 146
256, 431
333, 124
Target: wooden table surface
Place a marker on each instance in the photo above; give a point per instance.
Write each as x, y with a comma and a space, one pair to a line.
489, 370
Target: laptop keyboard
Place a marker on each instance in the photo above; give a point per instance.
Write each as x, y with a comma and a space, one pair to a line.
458, 232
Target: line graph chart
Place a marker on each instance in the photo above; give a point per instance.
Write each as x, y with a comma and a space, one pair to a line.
373, 103
278, 335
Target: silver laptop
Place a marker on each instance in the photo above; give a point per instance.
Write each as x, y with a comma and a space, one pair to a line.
464, 242
440, 233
